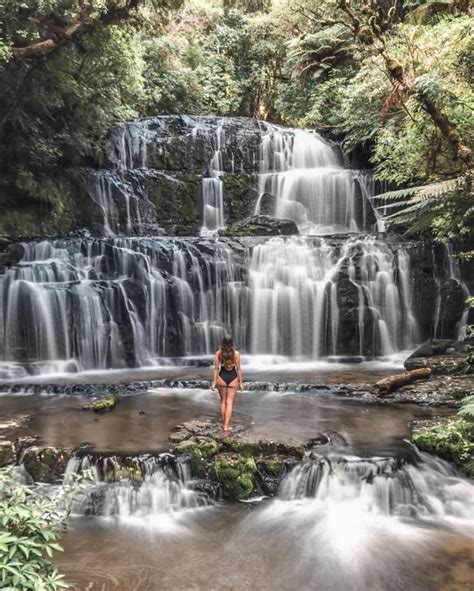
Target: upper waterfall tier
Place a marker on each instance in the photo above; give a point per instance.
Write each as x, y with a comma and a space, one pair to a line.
216, 171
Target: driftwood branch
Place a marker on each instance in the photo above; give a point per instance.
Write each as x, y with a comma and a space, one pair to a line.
393, 382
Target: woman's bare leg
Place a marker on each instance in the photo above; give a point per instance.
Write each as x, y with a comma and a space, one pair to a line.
229, 405
222, 388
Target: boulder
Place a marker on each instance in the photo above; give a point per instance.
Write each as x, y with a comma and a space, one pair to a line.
262, 225
45, 464
12, 255
7, 453
451, 439
103, 404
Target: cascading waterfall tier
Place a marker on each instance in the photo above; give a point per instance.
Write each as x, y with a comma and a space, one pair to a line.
98, 304
313, 298
305, 176
386, 486
136, 487
297, 174
81, 304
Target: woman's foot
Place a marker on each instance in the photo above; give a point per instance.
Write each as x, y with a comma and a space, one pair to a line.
227, 428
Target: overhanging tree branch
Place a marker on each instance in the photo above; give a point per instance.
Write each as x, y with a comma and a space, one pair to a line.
41, 49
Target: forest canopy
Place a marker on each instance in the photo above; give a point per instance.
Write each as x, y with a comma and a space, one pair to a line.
392, 81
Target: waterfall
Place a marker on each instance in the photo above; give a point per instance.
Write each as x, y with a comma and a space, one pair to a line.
123, 301
385, 486
305, 176
299, 289
137, 487
213, 190
81, 304
98, 304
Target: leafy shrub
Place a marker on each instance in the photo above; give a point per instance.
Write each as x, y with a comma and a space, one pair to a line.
31, 519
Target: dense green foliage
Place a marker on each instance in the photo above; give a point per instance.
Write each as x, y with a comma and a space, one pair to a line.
452, 440
388, 79
31, 518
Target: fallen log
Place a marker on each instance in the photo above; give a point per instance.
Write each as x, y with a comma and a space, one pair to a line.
401, 379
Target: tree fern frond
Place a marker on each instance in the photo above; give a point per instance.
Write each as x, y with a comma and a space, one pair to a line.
421, 192
411, 208
422, 223
467, 409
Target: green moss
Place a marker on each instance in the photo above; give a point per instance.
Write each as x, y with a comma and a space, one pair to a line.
240, 196
245, 449
104, 404
176, 202
236, 475
208, 447
452, 440
49, 456
199, 452
272, 466
53, 203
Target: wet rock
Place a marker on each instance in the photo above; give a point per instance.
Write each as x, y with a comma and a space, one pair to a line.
104, 404
269, 473
208, 487
7, 453
23, 443
442, 356
315, 441
13, 255
239, 463
198, 449
262, 225
45, 464
179, 436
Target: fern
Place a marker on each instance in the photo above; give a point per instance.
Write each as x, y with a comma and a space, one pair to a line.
415, 206
420, 193
467, 409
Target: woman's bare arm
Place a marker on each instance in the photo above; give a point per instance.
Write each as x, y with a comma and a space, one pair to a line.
215, 371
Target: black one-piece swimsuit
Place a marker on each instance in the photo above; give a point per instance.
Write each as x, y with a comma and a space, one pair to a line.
228, 375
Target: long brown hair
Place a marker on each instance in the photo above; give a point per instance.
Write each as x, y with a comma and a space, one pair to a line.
228, 352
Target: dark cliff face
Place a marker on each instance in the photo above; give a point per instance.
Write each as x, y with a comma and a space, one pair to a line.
151, 183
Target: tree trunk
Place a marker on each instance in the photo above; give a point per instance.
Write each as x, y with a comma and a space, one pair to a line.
393, 382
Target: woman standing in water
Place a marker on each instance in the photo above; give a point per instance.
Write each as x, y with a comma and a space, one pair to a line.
227, 376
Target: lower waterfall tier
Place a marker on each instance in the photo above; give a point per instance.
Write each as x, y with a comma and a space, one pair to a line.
74, 305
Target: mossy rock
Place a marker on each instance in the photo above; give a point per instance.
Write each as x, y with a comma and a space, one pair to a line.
452, 440
262, 225
45, 464
236, 475
240, 196
273, 466
199, 451
104, 404
263, 448
7, 453
176, 201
